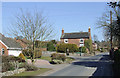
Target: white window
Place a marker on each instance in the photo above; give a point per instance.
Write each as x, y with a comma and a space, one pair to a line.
65, 40
81, 45
81, 40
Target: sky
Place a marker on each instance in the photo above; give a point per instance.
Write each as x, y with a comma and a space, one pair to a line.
71, 16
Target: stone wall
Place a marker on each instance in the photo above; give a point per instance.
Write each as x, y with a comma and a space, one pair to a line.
10, 73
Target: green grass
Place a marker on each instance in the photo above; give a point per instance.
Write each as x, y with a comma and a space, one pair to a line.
69, 59
46, 58
33, 73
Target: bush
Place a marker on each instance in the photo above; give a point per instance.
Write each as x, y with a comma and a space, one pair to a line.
11, 59
7, 66
28, 53
102, 50
22, 56
63, 47
116, 64
117, 56
56, 56
8, 62
51, 47
88, 45
29, 67
82, 49
38, 53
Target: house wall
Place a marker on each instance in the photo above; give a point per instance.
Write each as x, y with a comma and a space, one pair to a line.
14, 52
74, 41
5, 49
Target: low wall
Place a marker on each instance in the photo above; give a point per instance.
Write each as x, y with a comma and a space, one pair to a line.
10, 73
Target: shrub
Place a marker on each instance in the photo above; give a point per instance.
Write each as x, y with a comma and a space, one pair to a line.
63, 47
82, 49
22, 56
11, 59
7, 66
88, 45
56, 56
28, 53
38, 53
8, 62
51, 47
29, 67
117, 56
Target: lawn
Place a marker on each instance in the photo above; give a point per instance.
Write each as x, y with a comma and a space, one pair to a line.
33, 73
46, 58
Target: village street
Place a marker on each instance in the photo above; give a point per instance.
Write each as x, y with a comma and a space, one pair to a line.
99, 65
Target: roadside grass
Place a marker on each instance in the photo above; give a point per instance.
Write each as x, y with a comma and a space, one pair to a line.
69, 59
33, 73
46, 58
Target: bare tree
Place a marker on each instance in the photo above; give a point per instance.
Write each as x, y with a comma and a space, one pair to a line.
32, 26
104, 22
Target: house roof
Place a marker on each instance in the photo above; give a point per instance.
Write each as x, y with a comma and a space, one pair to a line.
9, 42
76, 35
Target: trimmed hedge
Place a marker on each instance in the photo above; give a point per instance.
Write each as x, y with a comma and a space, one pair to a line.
63, 47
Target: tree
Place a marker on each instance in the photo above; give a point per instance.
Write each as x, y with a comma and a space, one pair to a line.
111, 27
88, 45
33, 27
95, 38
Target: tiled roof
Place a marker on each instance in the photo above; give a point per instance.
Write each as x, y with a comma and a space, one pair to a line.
77, 35
11, 43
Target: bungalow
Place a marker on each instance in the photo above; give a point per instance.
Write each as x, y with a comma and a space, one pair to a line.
9, 46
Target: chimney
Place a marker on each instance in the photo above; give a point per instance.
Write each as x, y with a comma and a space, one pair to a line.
89, 30
15, 38
62, 31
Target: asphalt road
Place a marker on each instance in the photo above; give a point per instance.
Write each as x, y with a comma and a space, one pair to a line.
99, 65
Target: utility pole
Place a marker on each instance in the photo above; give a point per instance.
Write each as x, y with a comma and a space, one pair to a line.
111, 29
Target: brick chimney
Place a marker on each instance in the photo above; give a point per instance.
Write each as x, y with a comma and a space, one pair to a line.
89, 30
62, 31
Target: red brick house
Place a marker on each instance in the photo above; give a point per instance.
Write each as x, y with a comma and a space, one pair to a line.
9, 46
77, 38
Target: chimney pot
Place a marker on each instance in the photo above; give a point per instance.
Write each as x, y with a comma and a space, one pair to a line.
62, 31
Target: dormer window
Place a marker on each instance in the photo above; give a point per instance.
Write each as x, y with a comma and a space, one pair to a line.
81, 40
65, 40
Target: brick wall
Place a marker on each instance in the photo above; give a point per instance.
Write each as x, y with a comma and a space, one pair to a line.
74, 41
5, 49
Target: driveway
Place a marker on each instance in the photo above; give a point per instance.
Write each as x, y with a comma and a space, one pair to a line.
99, 65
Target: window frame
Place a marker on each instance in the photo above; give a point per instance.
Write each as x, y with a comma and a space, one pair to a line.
65, 40
82, 41
2, 51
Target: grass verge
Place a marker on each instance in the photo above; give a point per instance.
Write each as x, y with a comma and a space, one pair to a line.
46, 58
33, 73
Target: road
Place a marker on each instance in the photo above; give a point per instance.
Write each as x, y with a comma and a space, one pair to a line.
99, 65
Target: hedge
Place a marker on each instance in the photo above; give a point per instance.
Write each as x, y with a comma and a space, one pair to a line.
51, 47
63, 47
83, 49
